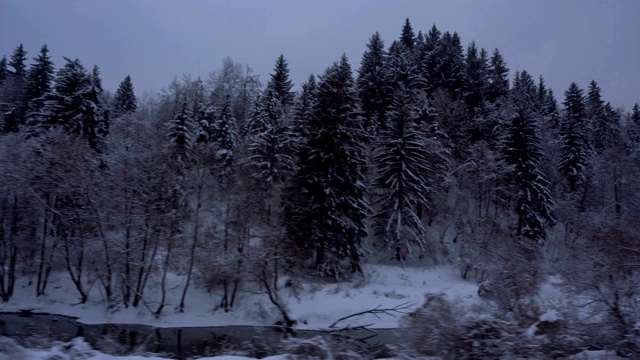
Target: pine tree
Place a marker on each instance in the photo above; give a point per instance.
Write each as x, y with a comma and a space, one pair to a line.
372, 83
124, 101
574, 148
498, 78
4, 73
18, 61
326, 207
404, 166
39, 79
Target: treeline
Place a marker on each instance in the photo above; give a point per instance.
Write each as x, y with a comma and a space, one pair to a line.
431, 152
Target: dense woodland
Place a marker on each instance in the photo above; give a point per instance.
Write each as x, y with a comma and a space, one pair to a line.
429, 153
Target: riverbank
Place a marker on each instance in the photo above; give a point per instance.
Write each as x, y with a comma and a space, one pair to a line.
313, 305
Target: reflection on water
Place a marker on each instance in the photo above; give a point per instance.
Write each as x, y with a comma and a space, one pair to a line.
177, 342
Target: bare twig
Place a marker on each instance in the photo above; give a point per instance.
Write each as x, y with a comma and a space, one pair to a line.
377, 311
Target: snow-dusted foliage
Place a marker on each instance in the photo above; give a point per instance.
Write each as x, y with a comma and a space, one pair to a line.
214, 199
326, 206
404, 156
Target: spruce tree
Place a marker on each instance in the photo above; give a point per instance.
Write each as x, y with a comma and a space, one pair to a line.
372, 83
408, 37
96, 116
39, 79
551, 111
271, 141
541, 98
498, 78
226, 140
522, 152
303, 110
326, 208
402, 157
280, 84
124, 101
449, 70
429, 59
4, 73
75, 104
18, 61
181, 133
524, 93
475, 79
596, 118
574, 148
633, 124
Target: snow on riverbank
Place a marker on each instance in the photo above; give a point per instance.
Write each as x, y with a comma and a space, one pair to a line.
315, 305
79, 349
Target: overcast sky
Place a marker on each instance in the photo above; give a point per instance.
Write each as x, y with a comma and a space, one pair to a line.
155, 40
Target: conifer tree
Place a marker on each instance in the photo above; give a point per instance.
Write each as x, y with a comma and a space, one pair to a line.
633, 125
75, 104
522, 152
272, 142
4, 73
39, 79
475, 79
541, 99
280, 84
124, 101
18, 61
303, 110
524, 93
449, 69
326, 207
498, 78
429, 59
405, 168
372, 83
408, 37
226, 139
181, 132
596, 118
574, 148
551, 112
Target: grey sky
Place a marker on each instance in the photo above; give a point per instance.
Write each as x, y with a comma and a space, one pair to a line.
154, 40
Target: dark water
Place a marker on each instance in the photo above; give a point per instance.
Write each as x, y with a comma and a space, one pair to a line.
180, 343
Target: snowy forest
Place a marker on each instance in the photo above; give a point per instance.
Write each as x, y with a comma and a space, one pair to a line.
429, 153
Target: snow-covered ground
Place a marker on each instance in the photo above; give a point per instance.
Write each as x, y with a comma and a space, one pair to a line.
315, 305
79, 349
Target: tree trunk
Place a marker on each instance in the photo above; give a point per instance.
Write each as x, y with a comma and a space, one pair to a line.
194, 244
